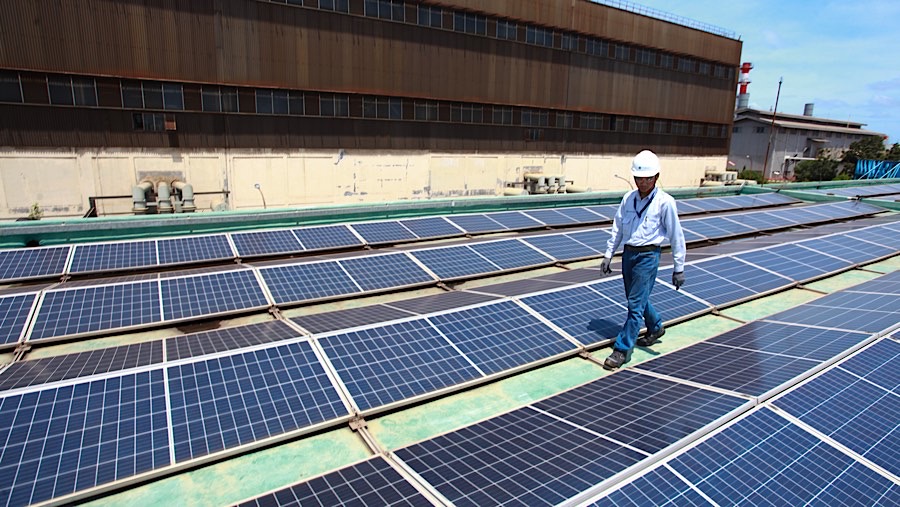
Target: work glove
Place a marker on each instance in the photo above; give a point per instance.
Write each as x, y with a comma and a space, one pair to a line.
604, 266
678, 279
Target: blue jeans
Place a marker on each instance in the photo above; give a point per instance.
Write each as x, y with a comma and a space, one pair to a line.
639, 275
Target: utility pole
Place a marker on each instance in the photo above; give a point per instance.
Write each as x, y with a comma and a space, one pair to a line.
772, 133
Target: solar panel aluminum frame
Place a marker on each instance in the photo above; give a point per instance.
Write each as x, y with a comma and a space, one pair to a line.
57, 275
486, 216
873, 260
824, 274
549, 262
365, 242
249, 255
288, 304
74, 251
460, 231
27, 325
270, 302
434, 279
231, 246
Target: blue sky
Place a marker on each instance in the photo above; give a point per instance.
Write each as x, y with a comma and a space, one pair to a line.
841, 56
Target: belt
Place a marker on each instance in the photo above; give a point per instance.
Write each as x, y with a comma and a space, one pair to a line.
645, 248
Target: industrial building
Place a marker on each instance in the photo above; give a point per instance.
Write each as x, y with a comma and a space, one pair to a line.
259, 103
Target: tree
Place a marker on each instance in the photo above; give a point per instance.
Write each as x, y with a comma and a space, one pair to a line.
747, 174
867, 148
821, 169
894, 153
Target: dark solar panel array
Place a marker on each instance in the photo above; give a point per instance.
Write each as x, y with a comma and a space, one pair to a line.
29, 263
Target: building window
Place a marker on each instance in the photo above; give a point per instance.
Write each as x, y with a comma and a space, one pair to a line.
152, 95
507, 30
646, 57
274, 102
680, 128
720, 71
72, 91
502, 115
622, 52
704, 68
685, 64
334, 5
431, 16
535, 118
534, 134
564, 120
640, 125
696, 130
666, 61
569, 42
713, 131
597, 47
173, 96
736, 129
759, 130
334, 105
148, 122
219, 99
660, 126
385, 9
466, 113
469, 23
10, 87
539, 36
590, 121
382, 107
426, 111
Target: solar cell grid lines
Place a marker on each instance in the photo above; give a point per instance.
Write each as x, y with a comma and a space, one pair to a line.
607, 212
230, 338
500, 336
348, 318
91, 258
707, 227
561, 247
686, 207
234, 400
454, 262
25, 263
383, 232
550, 217
511, 254
791, 340
708, 286
440, 302
755, 279
592, 238
253, 244
659, 486
193, 249
514, 220
582, 215
309, 281
67, 312
14, 313
581, 312
877, 364
212, 294
326, 237
794, 261
432, 227
376, 272
848, 248
882, 235
476, 223
74, 437
846, 310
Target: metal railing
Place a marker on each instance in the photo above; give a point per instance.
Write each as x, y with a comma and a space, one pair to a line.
667, 16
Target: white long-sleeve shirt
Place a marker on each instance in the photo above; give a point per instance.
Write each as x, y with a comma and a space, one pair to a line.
648, 221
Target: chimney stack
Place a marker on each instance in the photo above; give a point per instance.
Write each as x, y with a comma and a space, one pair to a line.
743, 99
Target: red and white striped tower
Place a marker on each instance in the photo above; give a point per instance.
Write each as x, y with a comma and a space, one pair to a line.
743, 99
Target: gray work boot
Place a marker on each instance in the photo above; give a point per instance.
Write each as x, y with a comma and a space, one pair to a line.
615, 360
651, 338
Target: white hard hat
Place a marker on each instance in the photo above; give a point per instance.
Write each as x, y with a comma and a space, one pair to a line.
645, 164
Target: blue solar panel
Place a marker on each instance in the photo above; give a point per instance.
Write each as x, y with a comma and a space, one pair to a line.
454, 262
395, 362
476, 223
732, 227
71, 438
511, 254
520, 458
734, 273
515, 220
251, 244
761, 220
501, 336
848, 209
327, 237
607, 212
765, 460
375, 272
561, 247
432, 227
229, 338
794, 261
24, 263
234, 400
594, 238
372, 482
687, 207
113, 256
309, 281
14, 313
708, 286
383, 232
550, 217
671, 304
648, 413
705, 227
193, 249
65, 312
855, 311
712, 204
739, 370
850, 249
582, 215
877, 364
441, 302
211, 294
882, 235
348, 318
855, 413
581, 312
776, 198
803, 215
791, 340
658, 487
887, 284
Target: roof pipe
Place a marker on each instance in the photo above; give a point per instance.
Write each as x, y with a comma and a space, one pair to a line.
139, 197
163, 198
187, 196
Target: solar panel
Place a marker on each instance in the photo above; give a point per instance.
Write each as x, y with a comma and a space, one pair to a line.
229, 338
476, 223
712, 204
593, 238
511, 254
327, 237
707, 286
850, 249
14, 313
234, 400
673, 304
739, 370
440, 302
659, 486
194, 249
500, 336
67, 312
802, 215
113, 256
393, 362
855, 311
791, 340
454, 262
514, 220
383, 232
877, 364
882, 235
371, 482
252, 244
550, 217
71, 438
582, 215
376, 272
574, 275
518, 287
776, 198
861, 416
80, 364
747, 276
848, 209
561, 247
794, 261
432, 227
348, 318
26, 263
765, 460
707, 227
606, 212
294, 283
687, 207
581, 312
761, 220
649, 413
213, 294
523, 457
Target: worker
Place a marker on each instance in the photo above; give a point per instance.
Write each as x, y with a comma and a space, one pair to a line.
646, 217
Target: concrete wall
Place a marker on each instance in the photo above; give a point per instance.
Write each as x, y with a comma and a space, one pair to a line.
60, 182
